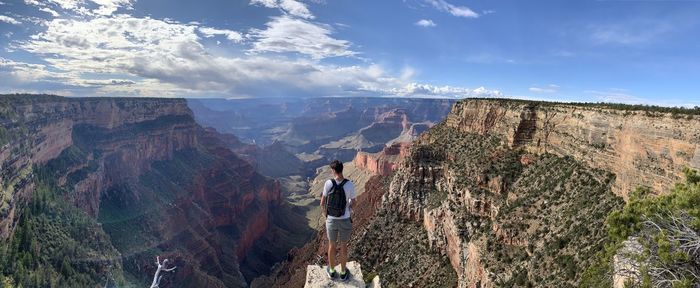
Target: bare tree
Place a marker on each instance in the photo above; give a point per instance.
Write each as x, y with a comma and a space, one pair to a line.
676, 230
161, 268
684, 239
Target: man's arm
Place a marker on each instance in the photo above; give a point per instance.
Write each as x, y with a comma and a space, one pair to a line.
323, 197
323, 205
352, 196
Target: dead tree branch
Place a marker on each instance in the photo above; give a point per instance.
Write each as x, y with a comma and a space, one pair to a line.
161, 268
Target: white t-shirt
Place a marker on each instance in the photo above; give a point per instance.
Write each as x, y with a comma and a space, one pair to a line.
349, 196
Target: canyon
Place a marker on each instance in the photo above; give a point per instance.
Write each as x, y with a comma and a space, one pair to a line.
508, 193
146, 175
152, 177
319, 130
473, 193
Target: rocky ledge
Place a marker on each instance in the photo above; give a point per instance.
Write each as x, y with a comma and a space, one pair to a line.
316, 277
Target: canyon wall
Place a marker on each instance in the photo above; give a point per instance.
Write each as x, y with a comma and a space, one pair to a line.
642, 148
515, 193
156, 181
44, 126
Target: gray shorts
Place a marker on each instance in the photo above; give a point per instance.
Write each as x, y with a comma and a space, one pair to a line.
335, 227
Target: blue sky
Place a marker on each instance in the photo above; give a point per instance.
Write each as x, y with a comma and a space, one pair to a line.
615, 51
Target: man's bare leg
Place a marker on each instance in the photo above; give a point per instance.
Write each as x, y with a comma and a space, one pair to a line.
343, 256
331, 254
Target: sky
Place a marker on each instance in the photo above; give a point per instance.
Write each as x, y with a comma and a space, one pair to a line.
628, 51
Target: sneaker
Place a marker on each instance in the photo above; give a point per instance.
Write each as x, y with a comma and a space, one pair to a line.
345, 276
331, 274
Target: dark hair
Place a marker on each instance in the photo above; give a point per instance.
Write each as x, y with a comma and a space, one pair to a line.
337, 166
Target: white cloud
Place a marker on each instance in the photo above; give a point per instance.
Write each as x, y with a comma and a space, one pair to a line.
230, 34
427, 90
288, 34
104, 7
50, 11
110, 45
107, 7
120, 54
291, 7
551, 88
169, 54
9, 20
21, 72
64, 4
425, 23
459, 11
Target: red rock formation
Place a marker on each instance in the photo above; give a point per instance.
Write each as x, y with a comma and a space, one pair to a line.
45, 124
123, 140
384, 162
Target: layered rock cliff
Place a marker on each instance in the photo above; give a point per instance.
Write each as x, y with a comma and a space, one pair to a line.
154, 179
641, 147
384, 162
39, 128
510, 193
516, 192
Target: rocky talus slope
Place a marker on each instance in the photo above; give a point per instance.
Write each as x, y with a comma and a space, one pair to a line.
154, 180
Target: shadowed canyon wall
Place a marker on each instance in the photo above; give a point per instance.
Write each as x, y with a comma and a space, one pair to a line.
156, 181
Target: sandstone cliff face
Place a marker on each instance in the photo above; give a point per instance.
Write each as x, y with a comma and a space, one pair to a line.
639, 147
148, 173
384, 162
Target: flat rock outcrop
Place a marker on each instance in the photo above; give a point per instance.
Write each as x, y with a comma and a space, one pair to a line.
316, 277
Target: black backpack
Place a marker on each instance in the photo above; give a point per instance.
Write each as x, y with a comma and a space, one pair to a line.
335, 199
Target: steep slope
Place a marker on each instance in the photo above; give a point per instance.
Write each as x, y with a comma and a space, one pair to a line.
641, 146
371, 186
142, 169
513, 193
516, 193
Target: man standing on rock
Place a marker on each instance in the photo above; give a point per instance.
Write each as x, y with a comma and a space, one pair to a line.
336, 204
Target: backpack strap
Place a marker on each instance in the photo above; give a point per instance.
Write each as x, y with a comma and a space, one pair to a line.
334, 183
343, 182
